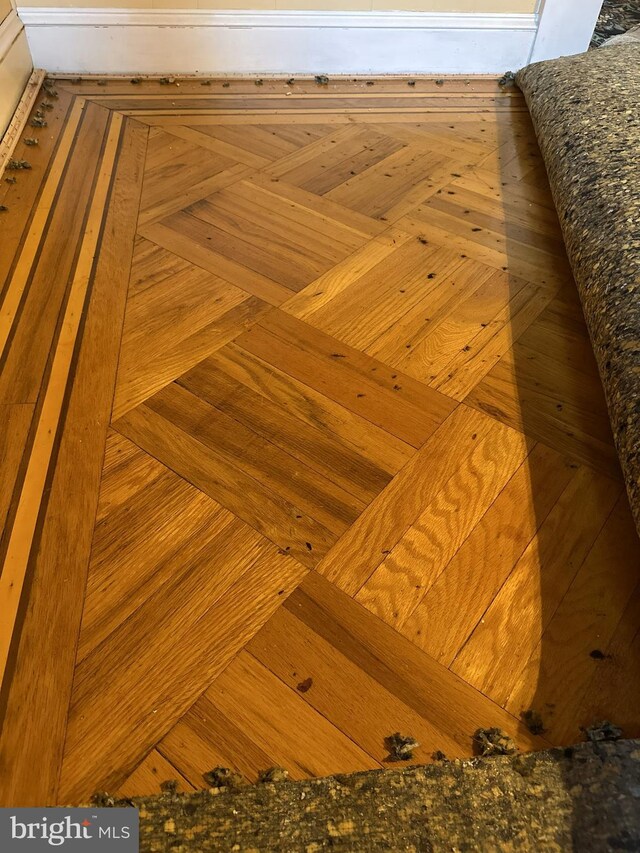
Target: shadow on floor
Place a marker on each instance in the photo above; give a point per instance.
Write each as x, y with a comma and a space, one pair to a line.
584, 562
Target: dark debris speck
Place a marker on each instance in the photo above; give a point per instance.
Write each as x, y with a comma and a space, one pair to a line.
401, 747
223, 777
493, 741
533, 721
603, 731
273, 774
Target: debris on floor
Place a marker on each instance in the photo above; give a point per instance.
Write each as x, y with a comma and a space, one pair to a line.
259, 82
103, 800
29, 140
604, 731
493, 742
321, 79
167, 81
273, 774
11, 180
507, 79
304, 685
136, 81
18, 164
3, 208
533, 721
400, 747
598, 654
223, 777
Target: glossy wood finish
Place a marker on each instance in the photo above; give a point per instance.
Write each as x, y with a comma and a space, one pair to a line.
335, 464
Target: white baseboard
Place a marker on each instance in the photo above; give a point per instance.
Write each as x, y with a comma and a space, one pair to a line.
160, 41
564, 27
15, 67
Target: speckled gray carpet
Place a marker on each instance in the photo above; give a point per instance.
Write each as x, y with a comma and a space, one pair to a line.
586, 113
616, 17
584, 799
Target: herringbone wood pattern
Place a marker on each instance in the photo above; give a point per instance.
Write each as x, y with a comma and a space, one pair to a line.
359, 476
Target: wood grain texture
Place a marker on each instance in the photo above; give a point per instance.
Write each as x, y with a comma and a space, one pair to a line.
213, 613
66, 518
299, 395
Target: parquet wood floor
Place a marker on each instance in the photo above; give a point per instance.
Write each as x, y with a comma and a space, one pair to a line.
303, 442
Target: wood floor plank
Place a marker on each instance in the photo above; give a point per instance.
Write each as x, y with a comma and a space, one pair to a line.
186, 237
14, 441
320, 212
28, 200
31, 322
615, 684
499, 647
294, 735
447, 283
382, 187
272, 515
318, 449
268, 142
472, 362
455, 603
20, 540
335, 159
389, 399
143, 541
173, 164
138, 379
252, 455
315, 409
177, 314
351, 344
65, 532
570, 652
380, 527
228, 605
238, 212
256, 246
205, 738
416, 561
194, 192
378, 300
150, 775
488, 246
546, 385
339, 278
218, 146
334, 628
344, 691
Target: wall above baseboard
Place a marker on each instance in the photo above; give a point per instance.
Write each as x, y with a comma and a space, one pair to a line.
161, 41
